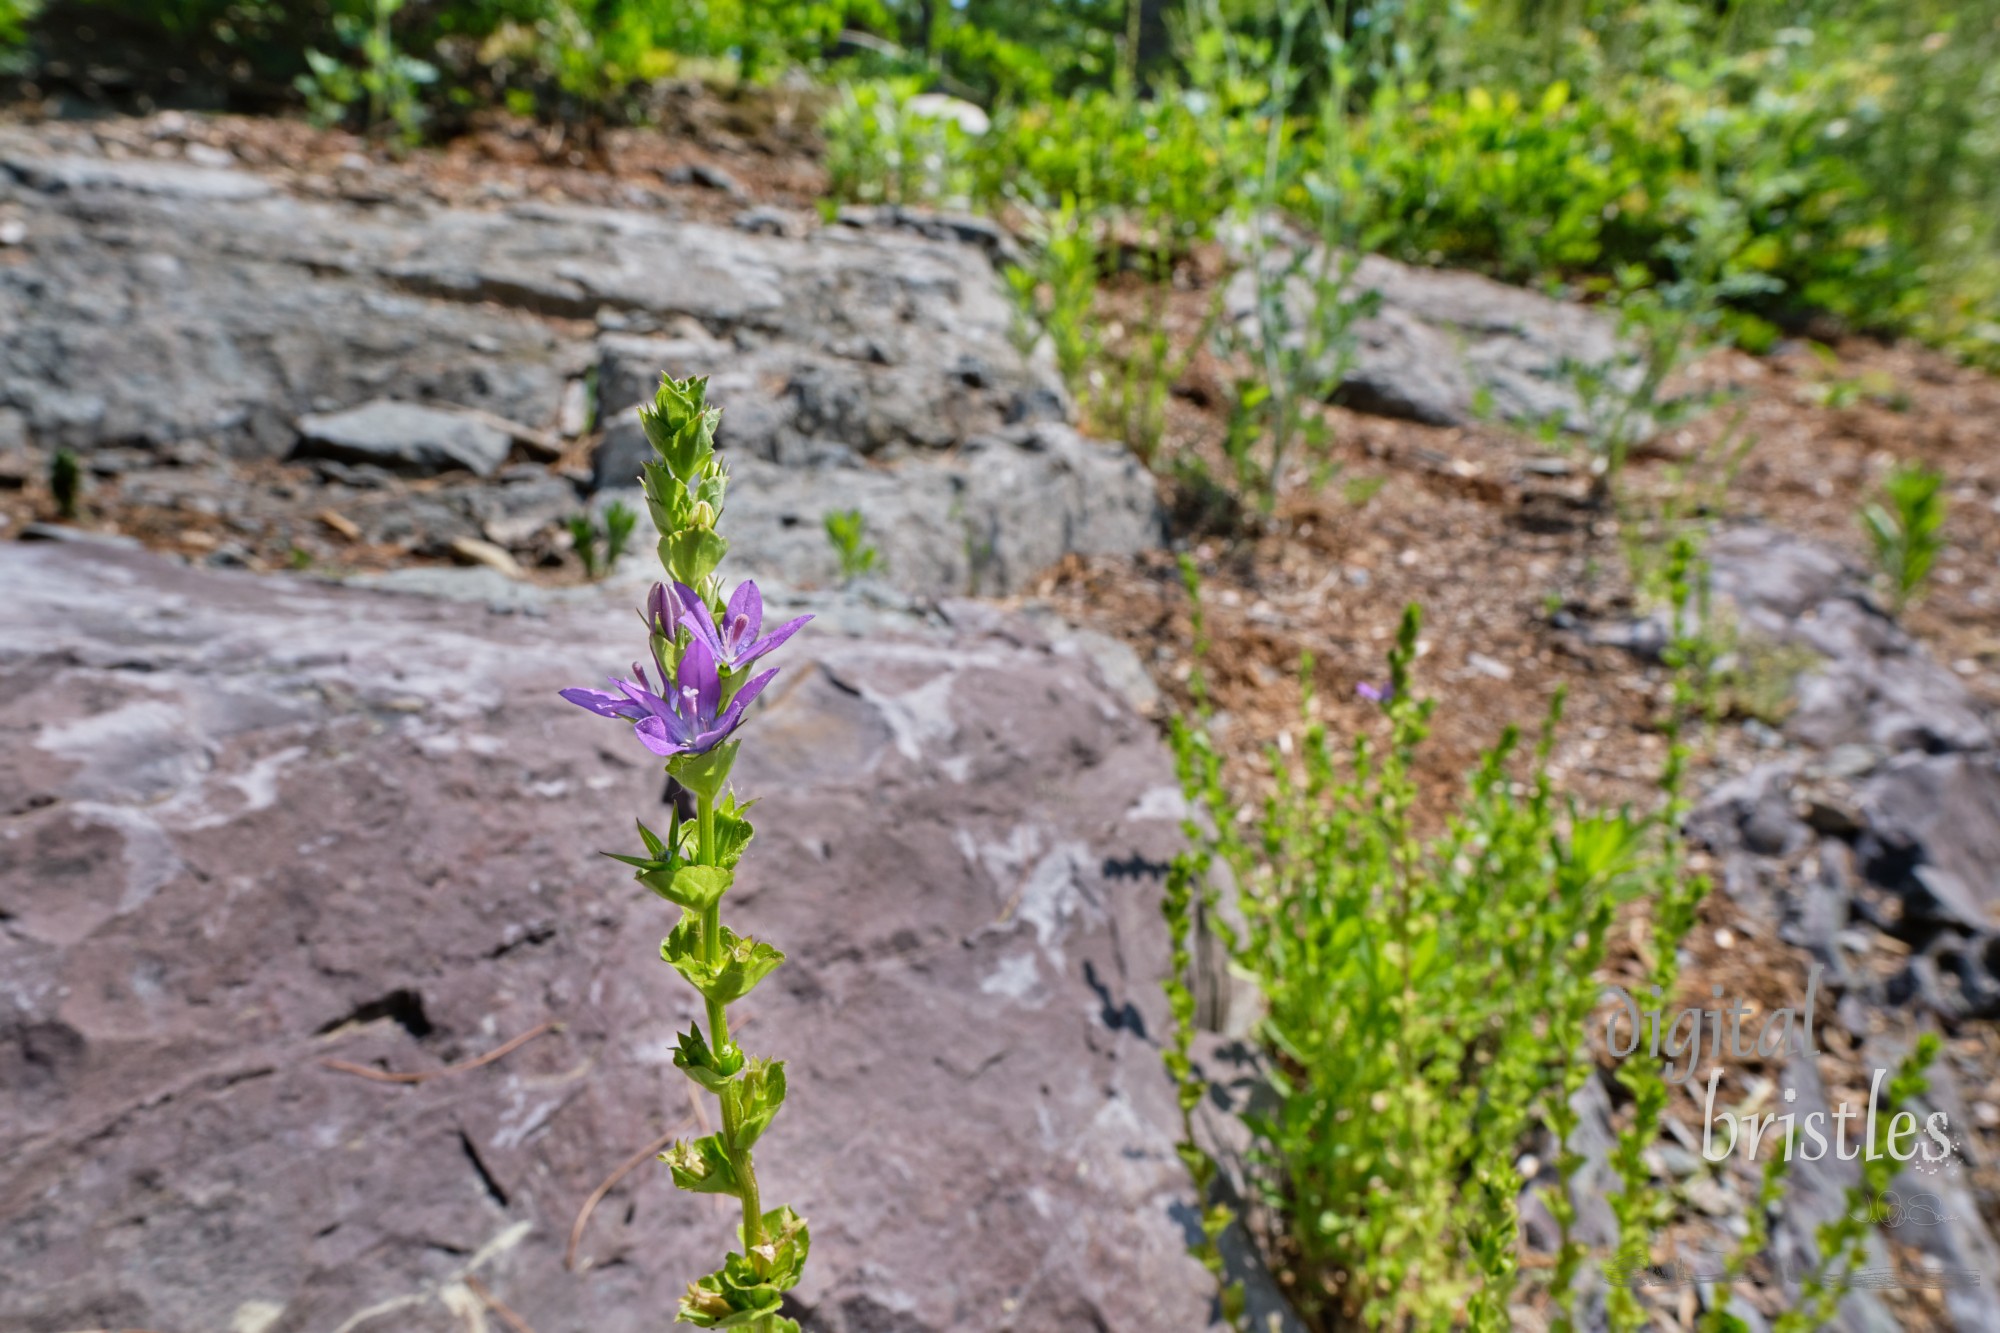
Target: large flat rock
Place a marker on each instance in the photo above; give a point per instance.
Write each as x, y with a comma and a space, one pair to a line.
250, 825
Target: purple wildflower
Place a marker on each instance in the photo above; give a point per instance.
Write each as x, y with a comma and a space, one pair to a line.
690, 719
1375, 694
735, 644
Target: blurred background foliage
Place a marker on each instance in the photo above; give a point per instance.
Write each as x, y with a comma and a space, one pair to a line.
1853, 146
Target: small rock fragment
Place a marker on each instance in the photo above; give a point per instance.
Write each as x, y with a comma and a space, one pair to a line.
405, 437
473, 551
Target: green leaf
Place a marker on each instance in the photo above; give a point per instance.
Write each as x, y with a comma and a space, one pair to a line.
745, 1290
681, 426
732, 833
694, 887
715, 1302
704, 774
752, 1101
710, 1068
781, 1259
740, 962
667, 497
703, 1166
692, 554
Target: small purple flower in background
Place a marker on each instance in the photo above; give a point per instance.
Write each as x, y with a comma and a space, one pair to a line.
1375, 694
690, 719
735, 644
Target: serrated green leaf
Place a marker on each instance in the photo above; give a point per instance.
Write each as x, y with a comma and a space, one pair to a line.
704, 774
697, 887
780, 1260
692, 554
749, 1103
715, 1302
703, 1166
732, 835
710, 1068
740, 962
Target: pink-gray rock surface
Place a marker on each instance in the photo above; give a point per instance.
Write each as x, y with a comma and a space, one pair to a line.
251, 825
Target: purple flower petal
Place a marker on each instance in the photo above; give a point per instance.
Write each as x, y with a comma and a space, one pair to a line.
604, 703
700, 692
652, 733
745, 615
658, 613
646, 701
690, 600
772, 640
734, 713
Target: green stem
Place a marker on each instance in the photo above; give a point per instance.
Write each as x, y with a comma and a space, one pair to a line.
718, 1022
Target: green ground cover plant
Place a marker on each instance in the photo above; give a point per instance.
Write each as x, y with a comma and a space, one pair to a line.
1424, 998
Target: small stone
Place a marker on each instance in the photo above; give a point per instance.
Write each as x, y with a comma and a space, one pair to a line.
766, 220
706, 176
1711, 1197
13, 231
573, 416
405, 437
1679, 1161
1849, 761
1832, 816
63, 532
473, 551
1487, 666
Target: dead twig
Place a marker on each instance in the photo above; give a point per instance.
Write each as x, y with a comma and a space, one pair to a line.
497, 1306
423, 1075
597, 1195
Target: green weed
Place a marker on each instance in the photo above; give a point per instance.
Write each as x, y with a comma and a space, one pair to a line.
599, 542
1416, 992
388, 79
1906, 527
66, 482
846, 530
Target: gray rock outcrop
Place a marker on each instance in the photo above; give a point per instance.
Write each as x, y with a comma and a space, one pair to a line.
1880, 818
254, 825
157, 304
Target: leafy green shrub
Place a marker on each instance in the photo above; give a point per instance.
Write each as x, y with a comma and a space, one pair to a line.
879, 150
1907, 526
388, 79
1424, 998
1849, 162
14, 18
